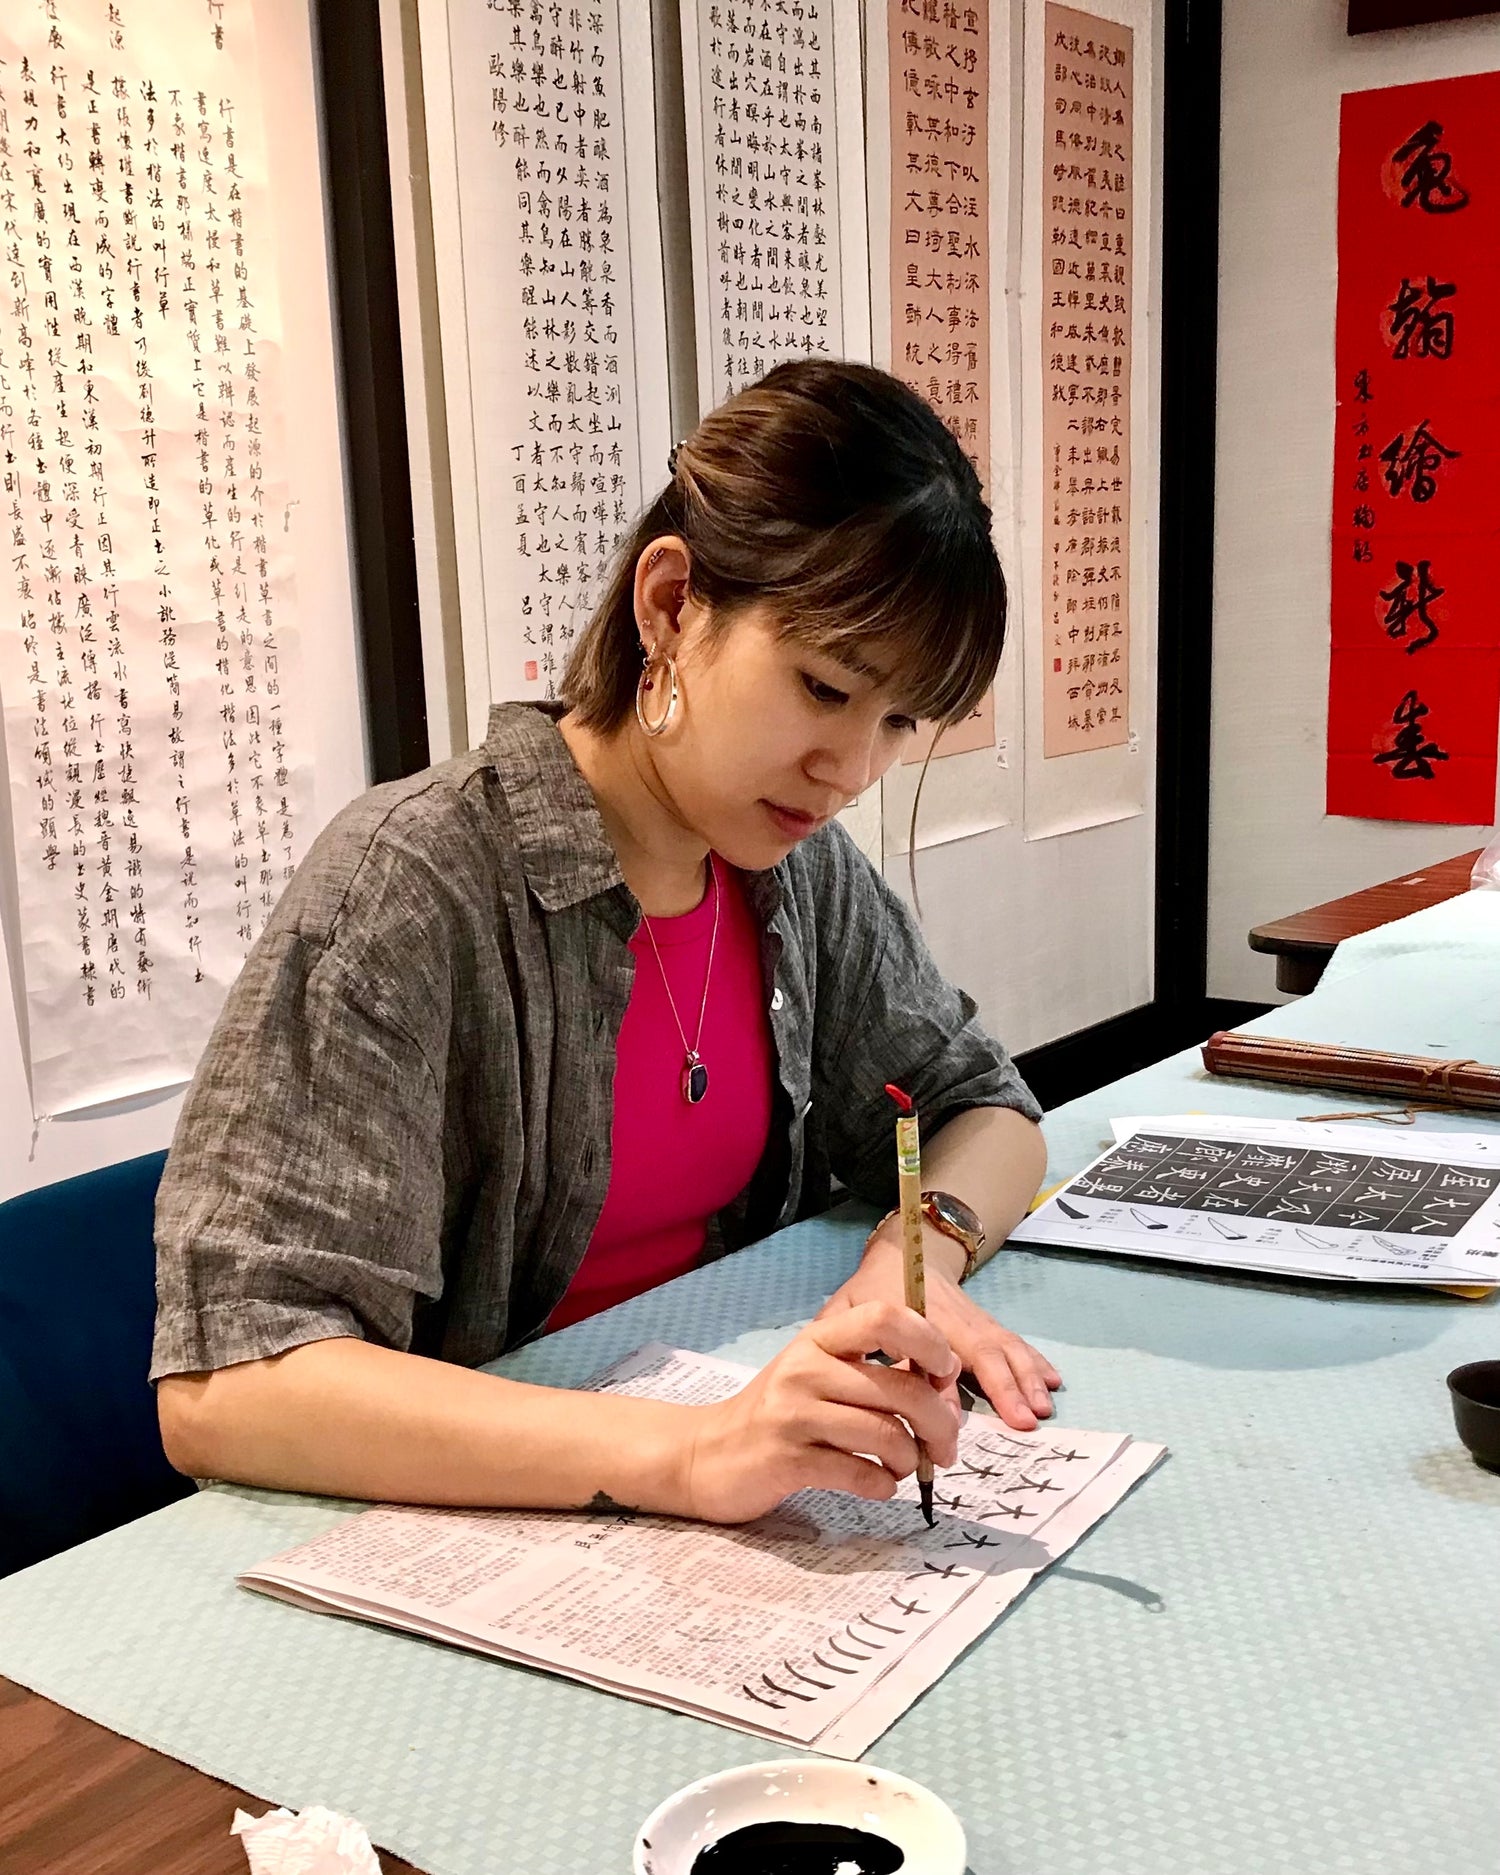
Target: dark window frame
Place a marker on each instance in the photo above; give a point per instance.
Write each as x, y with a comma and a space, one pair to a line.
356, 156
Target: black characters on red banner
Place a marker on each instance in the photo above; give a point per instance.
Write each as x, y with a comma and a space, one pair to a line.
1419, 329
1414, 670
1408, 600
1411, 755
1363, 514
1412, 463
1427, 173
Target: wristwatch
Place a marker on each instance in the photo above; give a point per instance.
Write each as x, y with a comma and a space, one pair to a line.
954, 1219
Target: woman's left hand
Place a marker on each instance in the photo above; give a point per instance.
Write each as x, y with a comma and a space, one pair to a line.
1016, 1379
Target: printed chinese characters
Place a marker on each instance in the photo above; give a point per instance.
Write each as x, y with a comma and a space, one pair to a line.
940, 260
555, 123
134, 442
773, 208
1086, 360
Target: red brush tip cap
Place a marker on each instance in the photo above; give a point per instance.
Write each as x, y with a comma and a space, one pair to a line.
903, 1101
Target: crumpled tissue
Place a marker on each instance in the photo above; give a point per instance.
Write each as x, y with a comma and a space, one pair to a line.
318, 1842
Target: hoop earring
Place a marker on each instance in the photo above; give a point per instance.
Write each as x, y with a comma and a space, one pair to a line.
646, 683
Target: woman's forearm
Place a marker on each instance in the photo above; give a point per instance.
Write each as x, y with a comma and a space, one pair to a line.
993, 1158
344, 1418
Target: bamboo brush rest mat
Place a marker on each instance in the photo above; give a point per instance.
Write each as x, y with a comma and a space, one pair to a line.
1435, 1078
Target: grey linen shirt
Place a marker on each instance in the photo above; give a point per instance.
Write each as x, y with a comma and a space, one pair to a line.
400, 1128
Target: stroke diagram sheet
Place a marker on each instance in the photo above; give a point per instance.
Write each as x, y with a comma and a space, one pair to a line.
1291, 1197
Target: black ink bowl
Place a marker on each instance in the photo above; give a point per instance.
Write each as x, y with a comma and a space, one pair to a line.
725, 1822
1475, 1388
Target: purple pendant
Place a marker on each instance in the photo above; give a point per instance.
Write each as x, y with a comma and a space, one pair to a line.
694, 1080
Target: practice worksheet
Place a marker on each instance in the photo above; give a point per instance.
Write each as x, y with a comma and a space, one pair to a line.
1289, 1196
818, 1624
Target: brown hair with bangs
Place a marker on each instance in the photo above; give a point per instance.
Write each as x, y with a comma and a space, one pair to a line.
833, 493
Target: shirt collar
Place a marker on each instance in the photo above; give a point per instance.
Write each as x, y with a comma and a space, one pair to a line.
564, 848
566, 852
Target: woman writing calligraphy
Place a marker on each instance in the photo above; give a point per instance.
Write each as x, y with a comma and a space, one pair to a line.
547, 1024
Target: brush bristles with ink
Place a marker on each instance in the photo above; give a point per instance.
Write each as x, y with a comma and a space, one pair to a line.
914, 1269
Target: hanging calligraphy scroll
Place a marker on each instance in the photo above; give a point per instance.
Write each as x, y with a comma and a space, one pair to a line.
1090, 121
939, 86
149, 652
939, 261
1086, 348
773, 106
938, 163
1414, 670
776, 185
548, 248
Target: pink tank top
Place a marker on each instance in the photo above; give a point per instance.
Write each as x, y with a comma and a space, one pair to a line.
673, 1165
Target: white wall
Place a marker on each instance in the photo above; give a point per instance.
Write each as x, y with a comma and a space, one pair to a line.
1047, 936
1272, 848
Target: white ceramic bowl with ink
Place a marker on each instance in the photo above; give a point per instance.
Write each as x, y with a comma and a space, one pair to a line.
803, 1790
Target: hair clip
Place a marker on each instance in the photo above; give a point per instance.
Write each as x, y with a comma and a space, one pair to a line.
672, 458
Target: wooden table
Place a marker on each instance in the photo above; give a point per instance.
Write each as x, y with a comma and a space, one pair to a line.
1303, 943
76, 1799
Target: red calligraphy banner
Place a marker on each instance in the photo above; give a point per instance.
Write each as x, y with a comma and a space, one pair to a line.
1414, 670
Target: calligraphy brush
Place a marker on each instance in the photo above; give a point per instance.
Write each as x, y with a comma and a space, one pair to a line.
914, 1268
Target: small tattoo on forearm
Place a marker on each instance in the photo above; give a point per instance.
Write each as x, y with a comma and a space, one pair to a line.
606, 1506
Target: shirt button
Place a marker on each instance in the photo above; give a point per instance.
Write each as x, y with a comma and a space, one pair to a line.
776, 998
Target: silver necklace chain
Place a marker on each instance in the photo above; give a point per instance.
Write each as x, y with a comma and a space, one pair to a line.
692, 1056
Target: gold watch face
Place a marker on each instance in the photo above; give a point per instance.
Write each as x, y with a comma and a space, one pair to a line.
955, 1212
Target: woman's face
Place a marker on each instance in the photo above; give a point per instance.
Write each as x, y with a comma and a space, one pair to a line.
770, 739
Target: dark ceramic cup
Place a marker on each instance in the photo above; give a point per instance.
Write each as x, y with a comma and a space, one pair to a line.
1475, 1390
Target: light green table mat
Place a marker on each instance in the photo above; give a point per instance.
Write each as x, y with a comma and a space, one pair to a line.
1282, 1653
1426, 985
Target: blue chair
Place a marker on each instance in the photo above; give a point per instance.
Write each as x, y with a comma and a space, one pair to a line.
79, 1446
